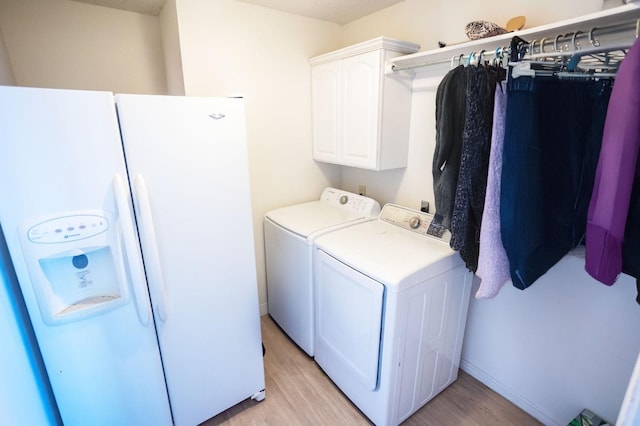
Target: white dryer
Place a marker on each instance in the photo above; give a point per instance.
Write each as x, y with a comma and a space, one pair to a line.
391, 305
289, 234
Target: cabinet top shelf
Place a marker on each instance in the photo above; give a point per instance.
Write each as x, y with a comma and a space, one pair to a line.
387, 43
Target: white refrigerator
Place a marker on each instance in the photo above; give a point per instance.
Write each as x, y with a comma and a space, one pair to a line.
25, 394
128, 221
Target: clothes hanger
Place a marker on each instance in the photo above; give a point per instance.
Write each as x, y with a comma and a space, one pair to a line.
604, 59
526, 68
613, 54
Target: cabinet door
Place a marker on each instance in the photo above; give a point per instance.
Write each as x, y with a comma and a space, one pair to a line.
325, 86
360, 109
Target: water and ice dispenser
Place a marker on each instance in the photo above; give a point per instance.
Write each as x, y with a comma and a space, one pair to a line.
75, 264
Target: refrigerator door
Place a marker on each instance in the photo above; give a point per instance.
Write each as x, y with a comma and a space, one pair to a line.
187, 160
28, 399
61, 154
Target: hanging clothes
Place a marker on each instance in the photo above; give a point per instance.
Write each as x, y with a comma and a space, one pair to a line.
553, 133
609, 206
450, 113
493, 264
631, 244
474, 162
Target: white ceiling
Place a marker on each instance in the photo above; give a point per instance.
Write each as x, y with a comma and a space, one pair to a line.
338, 11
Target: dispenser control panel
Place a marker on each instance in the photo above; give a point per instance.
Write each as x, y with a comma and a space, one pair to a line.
414, 221
350, 201
67, 228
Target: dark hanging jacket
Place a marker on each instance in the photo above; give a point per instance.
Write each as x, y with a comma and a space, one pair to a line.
450, 113
474, 163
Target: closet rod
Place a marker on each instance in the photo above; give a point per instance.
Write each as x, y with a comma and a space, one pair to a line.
574, 40
577, 38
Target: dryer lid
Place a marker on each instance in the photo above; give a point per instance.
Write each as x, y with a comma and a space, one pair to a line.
389, 254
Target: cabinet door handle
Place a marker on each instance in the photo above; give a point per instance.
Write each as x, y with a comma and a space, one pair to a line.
217, 115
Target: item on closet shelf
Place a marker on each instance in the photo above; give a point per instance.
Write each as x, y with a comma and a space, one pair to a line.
516, 23
480, 29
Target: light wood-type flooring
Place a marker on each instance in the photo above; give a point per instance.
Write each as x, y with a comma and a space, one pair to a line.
298, 392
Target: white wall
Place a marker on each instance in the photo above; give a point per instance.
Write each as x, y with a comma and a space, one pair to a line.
171, 48
564, 344
66, 44
228, 48
567, 342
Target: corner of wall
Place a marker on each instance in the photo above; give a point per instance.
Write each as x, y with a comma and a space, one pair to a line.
7, 77
170, 33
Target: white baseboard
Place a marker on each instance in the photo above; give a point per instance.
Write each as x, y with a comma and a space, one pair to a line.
264, 309
525, 404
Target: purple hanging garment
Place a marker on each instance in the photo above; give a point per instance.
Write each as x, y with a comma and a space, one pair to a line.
493, 264
614, 176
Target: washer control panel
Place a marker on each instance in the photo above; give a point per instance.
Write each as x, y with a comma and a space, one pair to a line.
352, 202
414, 221
67, 228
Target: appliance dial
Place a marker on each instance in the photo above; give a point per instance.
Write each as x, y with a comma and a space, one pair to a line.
344, 199
414, 222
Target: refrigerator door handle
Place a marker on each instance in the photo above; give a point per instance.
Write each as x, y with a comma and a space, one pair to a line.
150, 247
135, 264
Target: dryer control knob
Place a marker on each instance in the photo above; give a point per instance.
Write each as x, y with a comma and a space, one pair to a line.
414, 222
344, 199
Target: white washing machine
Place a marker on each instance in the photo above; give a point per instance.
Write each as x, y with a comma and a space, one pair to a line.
391, 306
289, 234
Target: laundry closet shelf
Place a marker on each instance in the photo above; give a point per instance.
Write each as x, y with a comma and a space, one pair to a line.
604, 18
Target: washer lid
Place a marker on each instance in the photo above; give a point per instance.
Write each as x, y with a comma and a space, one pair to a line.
307, 218
389, 254
334, 208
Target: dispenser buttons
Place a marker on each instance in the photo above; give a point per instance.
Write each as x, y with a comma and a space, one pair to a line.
67, 228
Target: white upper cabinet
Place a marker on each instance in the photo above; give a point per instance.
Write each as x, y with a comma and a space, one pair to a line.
360, 115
